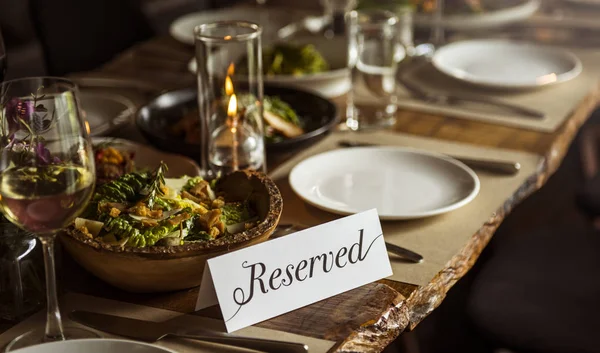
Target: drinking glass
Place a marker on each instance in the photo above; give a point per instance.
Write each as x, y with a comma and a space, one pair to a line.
437, 30
335, 13
374, 51
46, 176
21, 282
230, 96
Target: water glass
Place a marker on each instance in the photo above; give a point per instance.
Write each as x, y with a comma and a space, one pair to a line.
437, 29
21, 273
335, 11
374, 51
230, 96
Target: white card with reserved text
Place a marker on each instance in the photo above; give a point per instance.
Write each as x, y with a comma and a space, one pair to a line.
271, 278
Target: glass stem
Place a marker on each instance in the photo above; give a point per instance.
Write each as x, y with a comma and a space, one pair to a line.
54, 328
437, 33
17, 282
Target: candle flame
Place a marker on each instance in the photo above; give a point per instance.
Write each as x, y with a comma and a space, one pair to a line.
232, 108
87, 127
230, 70
228, 86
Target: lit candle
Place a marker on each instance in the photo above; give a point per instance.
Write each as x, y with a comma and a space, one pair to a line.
232, 111
232, 116
228, 86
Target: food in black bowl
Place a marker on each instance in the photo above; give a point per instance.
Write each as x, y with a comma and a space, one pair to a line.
292, 117
111, 162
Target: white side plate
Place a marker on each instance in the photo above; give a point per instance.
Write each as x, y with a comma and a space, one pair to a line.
512, 11
402, 183
94, 346
506, 64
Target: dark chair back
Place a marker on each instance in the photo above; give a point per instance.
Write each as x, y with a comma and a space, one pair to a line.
80, 35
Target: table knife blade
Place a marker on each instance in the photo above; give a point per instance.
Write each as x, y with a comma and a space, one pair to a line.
146, 331
149, 331
456, 98
499, 167
409, 255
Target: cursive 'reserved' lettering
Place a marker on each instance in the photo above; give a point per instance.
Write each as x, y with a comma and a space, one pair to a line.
263, 279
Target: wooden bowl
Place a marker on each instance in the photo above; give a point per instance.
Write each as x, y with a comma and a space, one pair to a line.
168, 268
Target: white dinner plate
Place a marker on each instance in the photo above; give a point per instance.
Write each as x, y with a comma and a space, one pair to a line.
270, 19
402, 183
500, 13
94, 346
148, 158
105, 112
506, 64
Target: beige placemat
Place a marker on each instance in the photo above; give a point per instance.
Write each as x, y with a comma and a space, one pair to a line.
557, 101
438, 238
74, 301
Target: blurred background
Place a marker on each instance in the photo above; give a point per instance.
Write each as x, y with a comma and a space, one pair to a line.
479, 313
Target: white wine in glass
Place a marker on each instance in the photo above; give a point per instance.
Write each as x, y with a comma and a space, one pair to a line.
47, 176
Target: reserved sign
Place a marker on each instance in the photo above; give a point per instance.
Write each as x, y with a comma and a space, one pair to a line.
266, 280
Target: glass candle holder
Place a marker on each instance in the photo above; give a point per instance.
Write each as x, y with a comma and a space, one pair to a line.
230, 96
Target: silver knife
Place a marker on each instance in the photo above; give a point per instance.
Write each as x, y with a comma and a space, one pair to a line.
411, 63
149, 331
285, 229
500, 167
454, 98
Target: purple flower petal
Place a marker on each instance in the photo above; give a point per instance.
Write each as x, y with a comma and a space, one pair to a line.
43, 153
16, 110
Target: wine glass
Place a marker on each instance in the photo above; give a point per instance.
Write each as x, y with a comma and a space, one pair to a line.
47, 176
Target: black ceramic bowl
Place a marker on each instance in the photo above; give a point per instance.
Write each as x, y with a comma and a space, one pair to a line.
156, 118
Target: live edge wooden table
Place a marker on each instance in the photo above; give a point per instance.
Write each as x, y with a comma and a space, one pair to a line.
368, 318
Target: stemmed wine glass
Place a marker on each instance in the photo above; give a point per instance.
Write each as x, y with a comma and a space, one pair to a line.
47, 176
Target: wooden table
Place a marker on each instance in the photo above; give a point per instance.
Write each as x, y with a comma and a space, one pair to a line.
368, 318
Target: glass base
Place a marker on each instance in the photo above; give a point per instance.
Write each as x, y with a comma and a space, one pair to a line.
36, 337
369, 117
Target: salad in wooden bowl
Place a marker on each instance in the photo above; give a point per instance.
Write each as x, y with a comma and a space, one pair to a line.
143, 232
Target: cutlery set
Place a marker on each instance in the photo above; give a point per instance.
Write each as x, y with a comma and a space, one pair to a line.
423, 57
148, 331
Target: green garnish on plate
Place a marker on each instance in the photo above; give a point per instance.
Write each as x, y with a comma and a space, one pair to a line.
145, 209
